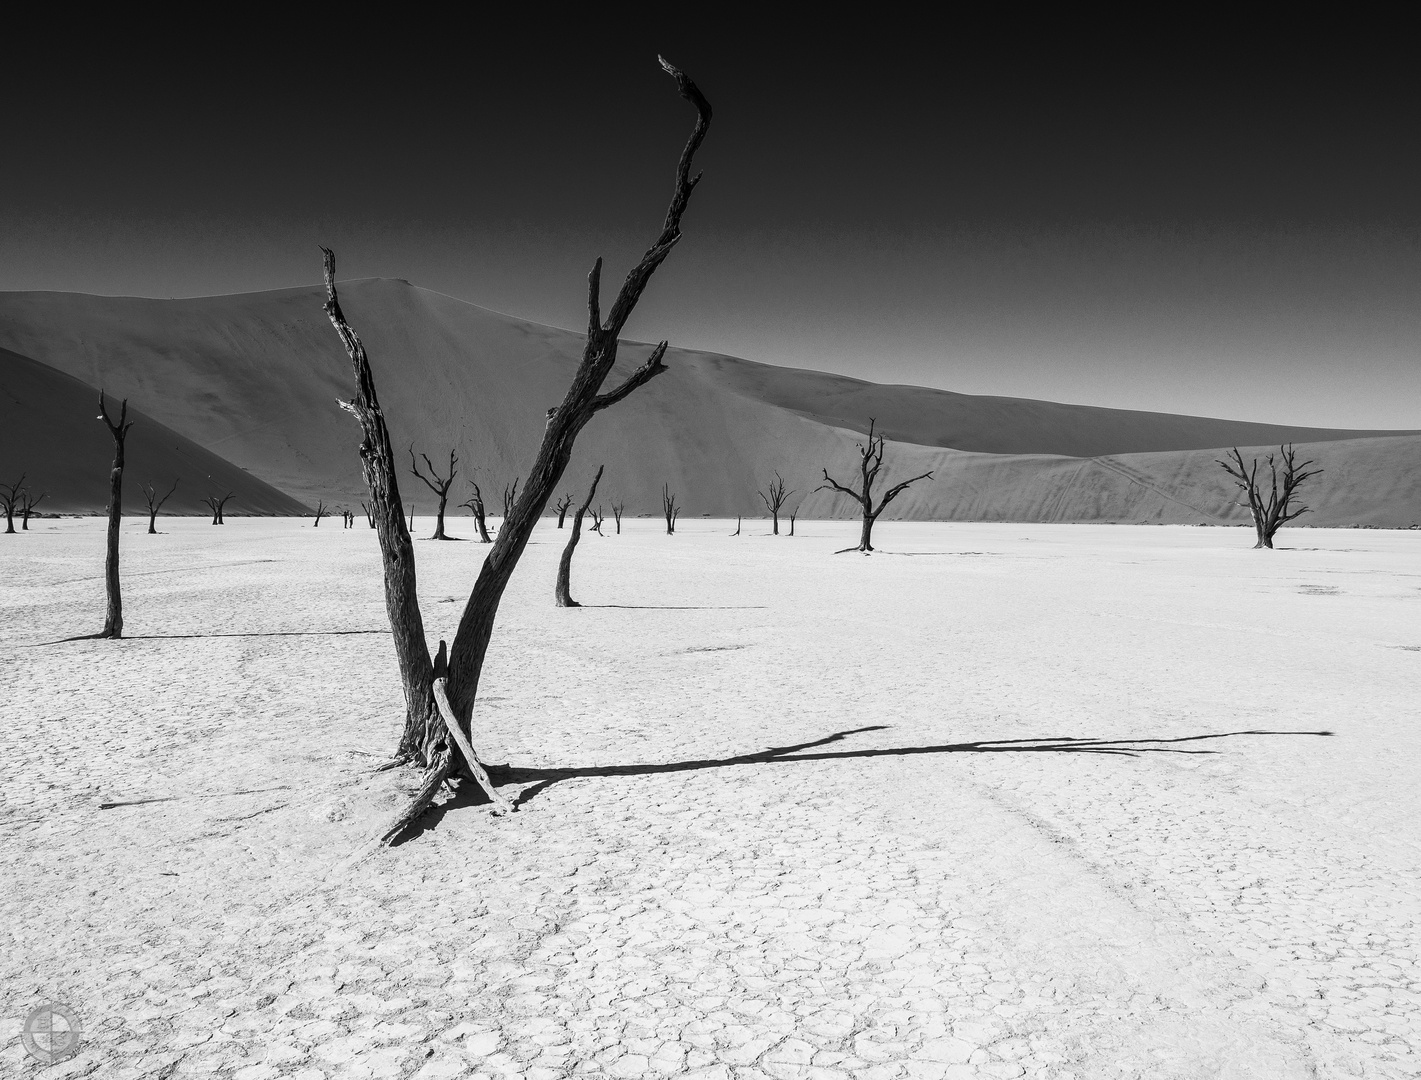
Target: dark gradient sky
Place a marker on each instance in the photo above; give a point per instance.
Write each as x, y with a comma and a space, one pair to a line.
1021, 209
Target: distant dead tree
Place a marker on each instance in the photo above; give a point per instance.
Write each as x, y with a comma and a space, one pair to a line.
774, 498
597, 519
476, 507
792, 515
618, 509
344, 516
561, 507
113, 617
440, 692
510, 498
155, 503
560, 591
1277, 511
11, 496
871, 455
737, 526
215, 504
438, 484
411, 517
321, 511
369, 517
28, 502
669, 509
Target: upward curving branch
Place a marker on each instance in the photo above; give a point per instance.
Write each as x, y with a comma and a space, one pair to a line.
870, 464
440, 485
1271, 514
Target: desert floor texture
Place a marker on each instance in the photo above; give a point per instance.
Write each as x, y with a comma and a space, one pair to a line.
1002, 800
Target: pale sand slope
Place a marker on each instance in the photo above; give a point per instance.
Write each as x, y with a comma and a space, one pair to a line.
1053, 801
50, 431
255, 378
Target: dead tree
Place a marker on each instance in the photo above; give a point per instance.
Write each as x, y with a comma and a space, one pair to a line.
369, 517
215, 504
440, 696
560, 591
321, 511
561, 507
597, 519
737, 526
669, 509
150, 493
438, 484
618, 509
28, 502
1271, 515
113, 617
11, 496
774, 498
476, 507
871, 461
792, 515
510, 498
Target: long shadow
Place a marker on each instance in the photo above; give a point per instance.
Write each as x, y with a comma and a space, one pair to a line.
681, 607
542, 779
185, 637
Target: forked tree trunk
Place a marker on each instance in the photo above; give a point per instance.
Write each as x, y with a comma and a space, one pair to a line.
560, 592
1271, 514
476, 507
113, 616
870, 463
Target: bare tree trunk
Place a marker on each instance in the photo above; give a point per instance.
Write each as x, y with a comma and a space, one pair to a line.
792, 516
476, 507
870, 463
440, 485
560, 592
617, 510
113, 617
10, 494
1270, 516
321, 511
774, 498
561, 506
737, 526
669, 509
27, 508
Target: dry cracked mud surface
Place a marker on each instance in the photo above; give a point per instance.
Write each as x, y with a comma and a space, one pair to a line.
1001, 801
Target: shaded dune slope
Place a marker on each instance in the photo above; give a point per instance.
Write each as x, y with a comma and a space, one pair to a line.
255, 378
50, 432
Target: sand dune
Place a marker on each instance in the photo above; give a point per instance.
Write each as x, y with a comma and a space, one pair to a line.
50, 432
255, 378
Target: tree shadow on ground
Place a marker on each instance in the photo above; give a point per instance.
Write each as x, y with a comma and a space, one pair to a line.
539, 780
186, 637
680, 607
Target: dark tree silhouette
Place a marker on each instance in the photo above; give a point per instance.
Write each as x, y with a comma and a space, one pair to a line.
11, 496
438, 484
369, 516
618, 509
560, 591
792, 515
321, 511
669, 509
215, 504
597, 518
871, 455
774, 498
28, 502
476, 507
737, 526
113, 617
561, 507
1271, 515
445, 690
510, 499
155, 503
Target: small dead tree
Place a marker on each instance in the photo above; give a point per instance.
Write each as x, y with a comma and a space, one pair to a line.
215, 504
561, 506
369, 517
618, 509
438, 484
510, 498
113, 616
12, 496
560, 592
871, 462
737, 526
28, 502
321, 511
155, 503
792, 515
476, 507
1271, 515
774, 498
597, 519
669, 509
440, 693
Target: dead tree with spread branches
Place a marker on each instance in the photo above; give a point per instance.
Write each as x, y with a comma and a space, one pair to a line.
321, 511
561, 594
113, 616
28, 502
597, 518
561, 508
870, 464
438, 484
618, 509
774, 498
155, 503
11, 497
475, 505
510, 498
669, 509
1277, 510
215, 504
440, 693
